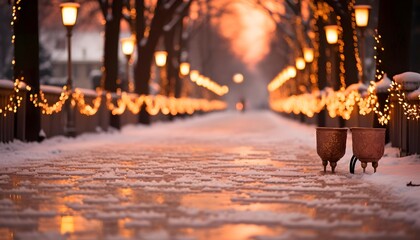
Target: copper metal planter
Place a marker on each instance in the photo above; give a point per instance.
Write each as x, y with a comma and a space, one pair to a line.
331, 145
368, 145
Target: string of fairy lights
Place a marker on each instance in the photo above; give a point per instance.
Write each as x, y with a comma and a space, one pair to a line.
14, 101
343, 102
207, 83
123, 101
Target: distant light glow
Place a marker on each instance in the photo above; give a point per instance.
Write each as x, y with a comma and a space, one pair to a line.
127, 46
238, 78
184, 68
251, 37
300, 63
308, 54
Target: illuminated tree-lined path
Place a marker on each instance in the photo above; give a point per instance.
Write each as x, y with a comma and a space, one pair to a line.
226, 175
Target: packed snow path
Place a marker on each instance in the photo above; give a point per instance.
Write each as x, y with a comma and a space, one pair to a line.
219, 176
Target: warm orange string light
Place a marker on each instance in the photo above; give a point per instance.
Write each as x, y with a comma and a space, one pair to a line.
124, 101
14, 101
79, 98
40, 101
206, 82
340, 103
165, 105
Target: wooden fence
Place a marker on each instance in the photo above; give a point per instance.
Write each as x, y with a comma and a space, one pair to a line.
12, 125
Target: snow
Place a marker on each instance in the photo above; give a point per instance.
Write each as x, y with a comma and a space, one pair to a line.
409, 80
415, 95
197, 173
7, 84
51, 89
383, 85
360, 87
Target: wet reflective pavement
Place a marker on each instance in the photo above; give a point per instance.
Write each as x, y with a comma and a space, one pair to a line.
231, 176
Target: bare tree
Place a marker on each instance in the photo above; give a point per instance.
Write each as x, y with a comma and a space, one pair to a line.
149, 28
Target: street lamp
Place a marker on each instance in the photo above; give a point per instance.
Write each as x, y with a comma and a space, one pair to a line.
184, 68
238, 78
300, 63
331, 32
69, 16
308, 54
127, 47
362, 15
160, 58
362, 18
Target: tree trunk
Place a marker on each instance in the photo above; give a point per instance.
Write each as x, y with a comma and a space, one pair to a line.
170, 63
27, 61
112, 31
350, 65
181, 47
146, 50
394, 26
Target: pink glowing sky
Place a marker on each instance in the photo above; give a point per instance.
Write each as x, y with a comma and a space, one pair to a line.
248, 30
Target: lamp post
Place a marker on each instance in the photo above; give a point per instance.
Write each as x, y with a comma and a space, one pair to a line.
184, 68
331, 32
300, 63
362, 18
160, 60
238, 78
69, 16
308, 54
127, 47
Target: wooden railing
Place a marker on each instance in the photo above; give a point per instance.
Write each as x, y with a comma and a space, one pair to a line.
12, 125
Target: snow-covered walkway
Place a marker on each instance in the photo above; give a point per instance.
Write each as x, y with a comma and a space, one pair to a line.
219, 176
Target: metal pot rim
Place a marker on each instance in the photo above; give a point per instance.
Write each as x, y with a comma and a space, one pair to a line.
367, 129
331, 129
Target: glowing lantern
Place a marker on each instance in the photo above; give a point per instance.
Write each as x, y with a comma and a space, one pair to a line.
331, 32
238, 78
308, 54
69, 13
300, 63
362, 15
127, 46
160, 58
184, 68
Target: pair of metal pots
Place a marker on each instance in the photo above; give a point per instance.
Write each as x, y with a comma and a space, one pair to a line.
368, 145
